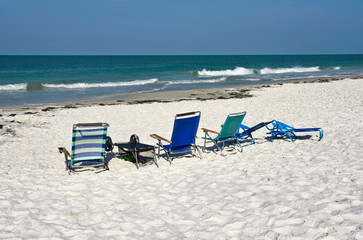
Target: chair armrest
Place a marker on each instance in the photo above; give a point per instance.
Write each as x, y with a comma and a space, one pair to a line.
207, 130
64, 150
157, 137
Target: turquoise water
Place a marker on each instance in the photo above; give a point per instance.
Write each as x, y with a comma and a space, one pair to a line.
52, 79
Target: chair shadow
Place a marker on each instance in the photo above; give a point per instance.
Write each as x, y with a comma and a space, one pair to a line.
143, 160
287, 139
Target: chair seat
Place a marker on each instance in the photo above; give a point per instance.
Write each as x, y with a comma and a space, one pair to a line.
181, 148
87, 160
306, 129
242, 135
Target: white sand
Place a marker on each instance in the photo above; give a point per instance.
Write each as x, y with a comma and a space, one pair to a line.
279, 190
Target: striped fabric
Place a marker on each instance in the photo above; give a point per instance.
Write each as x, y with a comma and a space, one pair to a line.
88, 144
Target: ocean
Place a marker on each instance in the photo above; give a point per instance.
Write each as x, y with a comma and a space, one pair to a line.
27, 80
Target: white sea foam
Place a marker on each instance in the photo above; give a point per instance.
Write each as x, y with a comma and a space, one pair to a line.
197, 81
251, 79
337, 68
100, 85
238, 71
289, 70
235, 72
13, 87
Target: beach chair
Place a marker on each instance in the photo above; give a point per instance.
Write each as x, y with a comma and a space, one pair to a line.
88, 146
282, 129
228, 132
247, 131
183, 136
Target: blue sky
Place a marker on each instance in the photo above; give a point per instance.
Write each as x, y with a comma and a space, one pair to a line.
163, 27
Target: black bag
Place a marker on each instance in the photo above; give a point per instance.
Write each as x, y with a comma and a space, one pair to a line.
109, 144
134, 139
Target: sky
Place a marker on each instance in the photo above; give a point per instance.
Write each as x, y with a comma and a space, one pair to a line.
184, 27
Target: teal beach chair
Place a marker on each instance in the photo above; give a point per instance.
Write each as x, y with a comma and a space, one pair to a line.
183, 136
228, 132
246, 132
88, 146
282, 129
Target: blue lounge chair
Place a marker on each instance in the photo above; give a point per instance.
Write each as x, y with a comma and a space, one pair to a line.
183, 136
282, 129
247, 131
88, 146
227, 133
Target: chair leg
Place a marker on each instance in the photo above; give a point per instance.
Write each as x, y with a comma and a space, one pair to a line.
168, 156
220, 148
292, 136
105, 166
154, 158
136, 156
205, 142
272, 136
159, 149
199, 152
320, 134
239, 144
253, 140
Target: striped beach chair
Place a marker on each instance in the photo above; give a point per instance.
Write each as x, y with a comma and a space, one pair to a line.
88, 146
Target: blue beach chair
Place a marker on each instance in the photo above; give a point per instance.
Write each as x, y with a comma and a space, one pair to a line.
282, 129
247, 131
183, 136
228, 132
88, 146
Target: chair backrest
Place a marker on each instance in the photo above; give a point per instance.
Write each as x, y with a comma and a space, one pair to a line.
231, 125
88, 141
256, 127
185, 129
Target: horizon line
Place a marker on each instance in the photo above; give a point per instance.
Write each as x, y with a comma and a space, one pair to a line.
278, 54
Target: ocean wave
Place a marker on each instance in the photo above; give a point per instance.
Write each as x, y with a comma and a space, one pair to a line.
41, 86
238, 71
197, 81
101, 85
13, 87
250, 79
289, 70
337, 68
235, 72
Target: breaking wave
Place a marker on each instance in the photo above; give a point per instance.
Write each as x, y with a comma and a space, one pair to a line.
245, 71
235, 72
13, 87
100, 85
197, 81
41, 86
289, 70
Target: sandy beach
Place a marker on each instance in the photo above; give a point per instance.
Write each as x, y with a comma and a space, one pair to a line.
306, 189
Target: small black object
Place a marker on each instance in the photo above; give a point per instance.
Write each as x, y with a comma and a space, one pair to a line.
134, 139
109, 144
